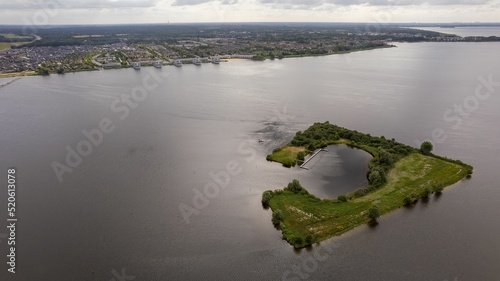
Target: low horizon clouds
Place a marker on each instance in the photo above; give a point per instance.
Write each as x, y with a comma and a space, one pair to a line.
76, 4
375, 2
159, 11
116, 4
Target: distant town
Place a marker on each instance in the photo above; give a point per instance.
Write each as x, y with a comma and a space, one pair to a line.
60, 49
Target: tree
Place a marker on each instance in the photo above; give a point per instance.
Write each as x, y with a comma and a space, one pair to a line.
377, 176
384, 157
309, 239
373, 213
426, 148
426, 192
408, 201
438, 188
298, 241
342, 198
277, 217
301, 155
42, 70
294, 186
266, 196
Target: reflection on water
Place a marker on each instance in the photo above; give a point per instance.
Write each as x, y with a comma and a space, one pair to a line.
339, 170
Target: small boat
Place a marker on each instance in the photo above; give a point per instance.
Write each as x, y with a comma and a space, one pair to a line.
216, 60
197, 61
261, 141
158, 64
136, 65
178, 63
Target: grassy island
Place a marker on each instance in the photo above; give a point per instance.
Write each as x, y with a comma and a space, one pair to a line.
398, 175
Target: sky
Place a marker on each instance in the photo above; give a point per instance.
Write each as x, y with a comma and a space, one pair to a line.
41, 12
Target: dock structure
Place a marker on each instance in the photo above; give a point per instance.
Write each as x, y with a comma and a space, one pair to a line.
316, 152
10, 82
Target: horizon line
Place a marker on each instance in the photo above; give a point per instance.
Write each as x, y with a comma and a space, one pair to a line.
263, 22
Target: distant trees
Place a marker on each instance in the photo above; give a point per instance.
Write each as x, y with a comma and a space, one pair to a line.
42, 71
426, 148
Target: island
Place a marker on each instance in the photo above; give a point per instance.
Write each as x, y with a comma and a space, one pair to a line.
399, 175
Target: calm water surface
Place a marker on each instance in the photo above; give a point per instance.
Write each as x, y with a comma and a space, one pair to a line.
119, 209
467, 31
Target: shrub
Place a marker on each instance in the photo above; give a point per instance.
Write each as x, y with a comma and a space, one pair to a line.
426, 192
309, 239
289, 163
42, 70
301, 155
360, 192
342, 198
311, 147
277, 217
294, 186
297, 241
266, 196
438, 188
384, 157
373, 213
377, 176
408, 201
426, 148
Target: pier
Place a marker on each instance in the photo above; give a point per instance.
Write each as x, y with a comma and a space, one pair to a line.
10, 82
303, 165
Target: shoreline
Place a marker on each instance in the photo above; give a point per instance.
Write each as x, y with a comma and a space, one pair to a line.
229, 60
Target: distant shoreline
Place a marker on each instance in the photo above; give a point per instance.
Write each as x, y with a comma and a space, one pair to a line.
33, 73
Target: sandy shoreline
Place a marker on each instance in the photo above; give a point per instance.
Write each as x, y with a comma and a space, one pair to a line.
17, 74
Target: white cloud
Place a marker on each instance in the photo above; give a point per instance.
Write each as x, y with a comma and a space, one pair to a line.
316, 3
75, 4
162, 11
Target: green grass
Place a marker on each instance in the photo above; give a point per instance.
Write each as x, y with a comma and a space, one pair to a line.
7, 45
305, 214
15, 36
286, 155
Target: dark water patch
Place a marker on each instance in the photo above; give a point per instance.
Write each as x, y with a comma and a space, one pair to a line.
339, 170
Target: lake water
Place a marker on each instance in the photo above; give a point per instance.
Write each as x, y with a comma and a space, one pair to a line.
119, 208
466, 31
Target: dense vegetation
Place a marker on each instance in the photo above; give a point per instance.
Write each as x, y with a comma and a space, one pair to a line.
398, 175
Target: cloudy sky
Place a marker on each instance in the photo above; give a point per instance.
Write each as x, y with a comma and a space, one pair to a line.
177, 11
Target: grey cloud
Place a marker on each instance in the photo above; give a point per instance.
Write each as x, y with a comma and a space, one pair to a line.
317, 3
75, 4
197, 2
